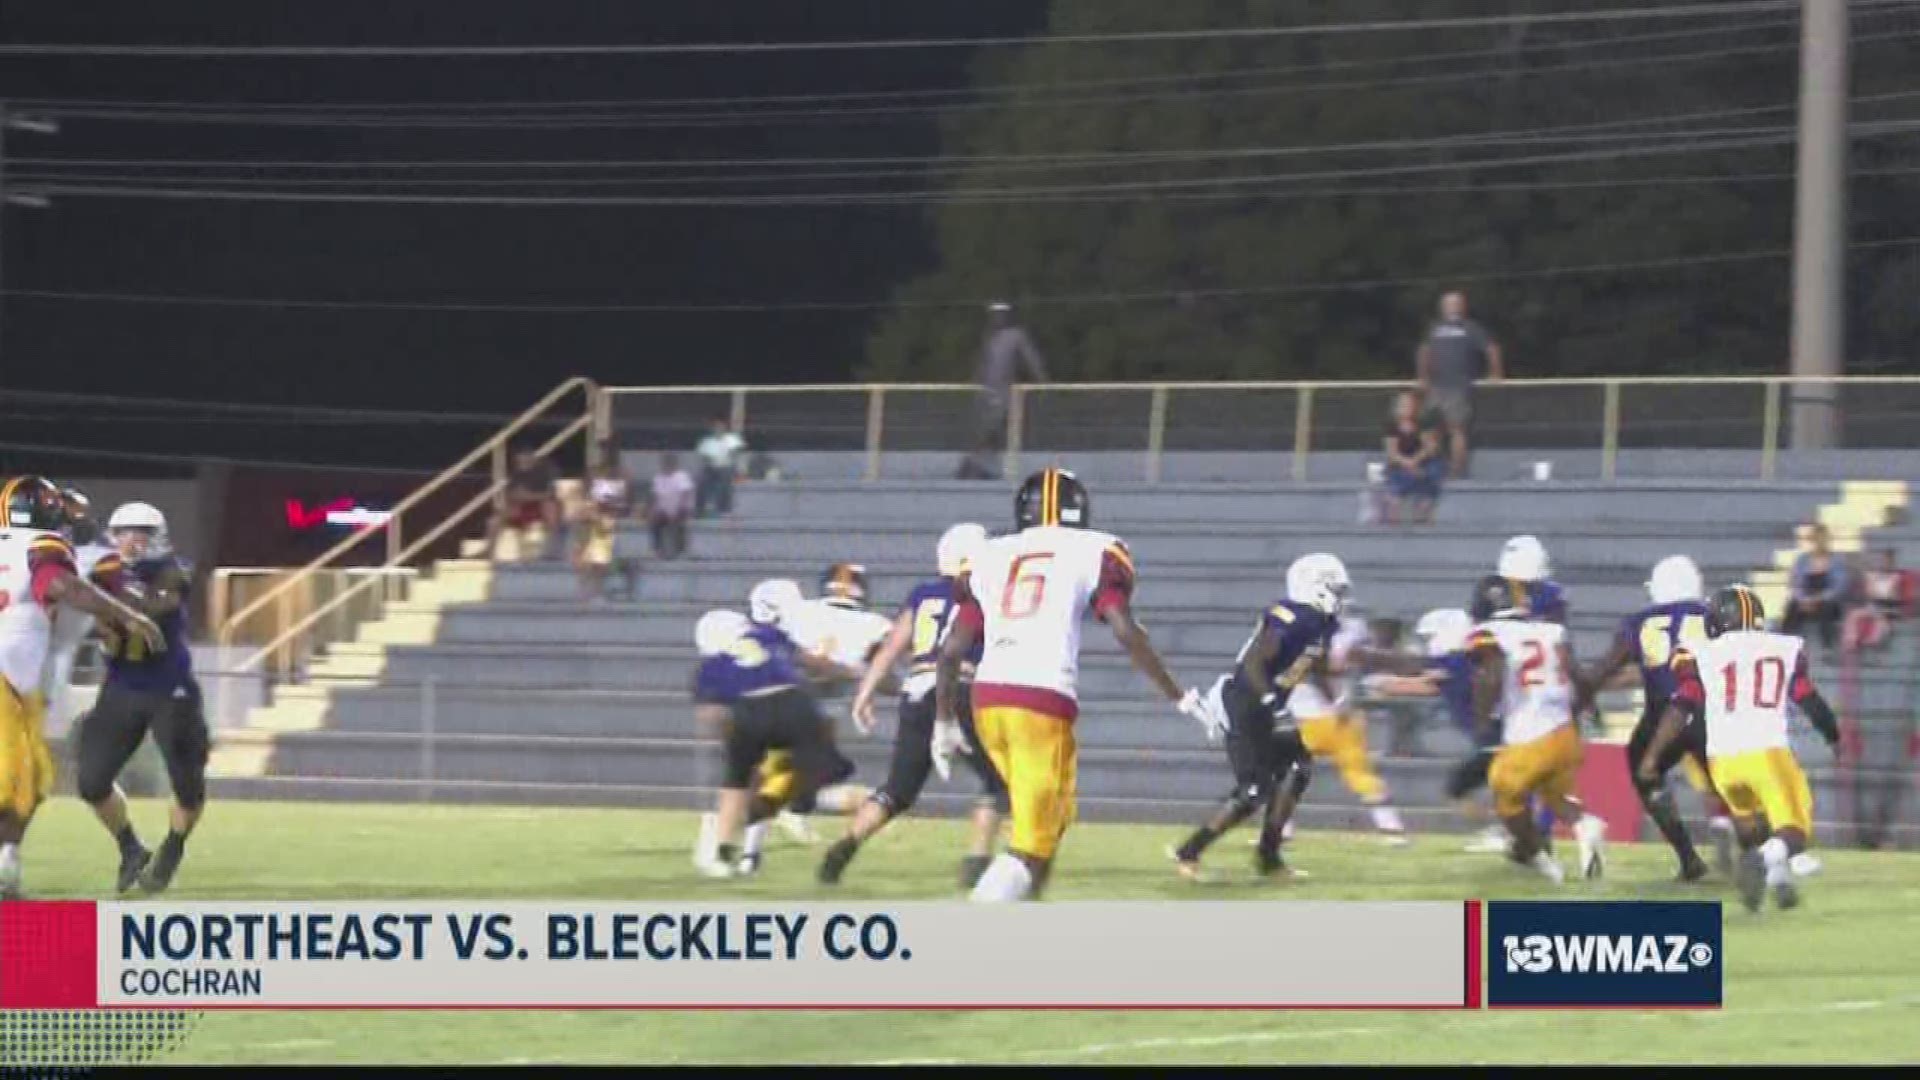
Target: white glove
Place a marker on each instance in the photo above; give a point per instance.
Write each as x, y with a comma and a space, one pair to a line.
1195, 707
947, 739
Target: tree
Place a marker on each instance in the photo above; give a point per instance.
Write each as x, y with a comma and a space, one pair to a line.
1268, 278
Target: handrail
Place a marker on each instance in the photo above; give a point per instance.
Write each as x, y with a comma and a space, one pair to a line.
1276, 384
341, 598
491, 446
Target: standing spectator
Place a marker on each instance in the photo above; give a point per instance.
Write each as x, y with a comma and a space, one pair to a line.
1006, 354
597, 547
1457, 353
671, 506
719, 462
1414, 463
530, 501
1817, 588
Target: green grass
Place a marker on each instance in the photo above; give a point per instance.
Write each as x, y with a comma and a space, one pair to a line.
1836, 980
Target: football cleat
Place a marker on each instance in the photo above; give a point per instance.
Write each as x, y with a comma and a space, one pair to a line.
1549, 867
797, 828
1786, 895
1491, 840
837, 858
1693, 870
132, 865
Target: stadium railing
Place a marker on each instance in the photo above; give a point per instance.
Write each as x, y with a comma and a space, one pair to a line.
288, 650
1609, 417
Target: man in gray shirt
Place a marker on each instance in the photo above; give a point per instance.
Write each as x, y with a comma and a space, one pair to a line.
1457, 352
1006, 354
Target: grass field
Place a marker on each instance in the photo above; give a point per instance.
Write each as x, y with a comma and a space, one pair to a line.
1837, 980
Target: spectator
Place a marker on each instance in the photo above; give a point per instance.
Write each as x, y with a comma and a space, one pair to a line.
1816, 589
1456, 353
719, 463
1414, 463
1005, 354
598, 545
1887, 595
530, 501
672, 505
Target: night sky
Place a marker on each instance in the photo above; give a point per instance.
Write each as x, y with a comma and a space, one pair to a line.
488, 362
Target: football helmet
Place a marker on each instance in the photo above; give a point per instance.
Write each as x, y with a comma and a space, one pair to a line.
1052, 497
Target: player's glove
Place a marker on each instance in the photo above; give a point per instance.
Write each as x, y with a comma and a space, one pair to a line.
1206, 711
947, 740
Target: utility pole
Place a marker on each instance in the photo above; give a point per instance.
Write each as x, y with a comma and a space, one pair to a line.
12, 121
1820, 224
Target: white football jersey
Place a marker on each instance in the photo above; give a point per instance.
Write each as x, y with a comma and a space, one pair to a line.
26, 625
1747, 678
844, 635
1034, 589
1539, 693
1308, 701
70, 628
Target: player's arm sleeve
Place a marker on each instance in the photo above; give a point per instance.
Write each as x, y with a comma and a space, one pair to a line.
1812, 705
1689, 693
1115, 587
1487, 678
109, 573
48, 560
165, 594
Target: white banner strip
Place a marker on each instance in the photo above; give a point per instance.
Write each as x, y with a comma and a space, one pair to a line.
376, 955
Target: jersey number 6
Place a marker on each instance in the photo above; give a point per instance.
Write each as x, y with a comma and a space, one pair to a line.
1026, 585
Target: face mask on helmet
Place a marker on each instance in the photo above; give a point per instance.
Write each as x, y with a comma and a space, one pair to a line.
1319, 581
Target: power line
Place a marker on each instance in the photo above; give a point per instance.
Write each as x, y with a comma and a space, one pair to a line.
548, 118
1774, 22
737, 48
304, 412
1675, 262
927, 196
1057, 158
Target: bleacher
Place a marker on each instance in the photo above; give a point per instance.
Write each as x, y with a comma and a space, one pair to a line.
495, 682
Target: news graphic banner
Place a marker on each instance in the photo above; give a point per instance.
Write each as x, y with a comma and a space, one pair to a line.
644, 955
1628, 954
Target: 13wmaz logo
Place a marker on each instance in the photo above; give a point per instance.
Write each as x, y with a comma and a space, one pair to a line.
1625, 954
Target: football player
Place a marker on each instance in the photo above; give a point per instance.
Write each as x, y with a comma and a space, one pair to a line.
1523, 563
1332, 729
838, 627
778, 605
1741, 679
749, 689
1650, 639
94, 560
38, 575
1271, 764
1026, 595
923, 744
1449, 676
147, 690
1524, 688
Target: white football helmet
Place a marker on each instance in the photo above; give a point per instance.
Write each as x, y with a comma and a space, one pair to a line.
1319, 580
956, 546
1675, 578
717, 630
773, 600
139, 515
1444, 630
1524, 558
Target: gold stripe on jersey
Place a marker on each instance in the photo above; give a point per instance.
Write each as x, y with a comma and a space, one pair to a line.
1119, 551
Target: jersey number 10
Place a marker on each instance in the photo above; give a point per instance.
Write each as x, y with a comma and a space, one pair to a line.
1765, 696
1025, 588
